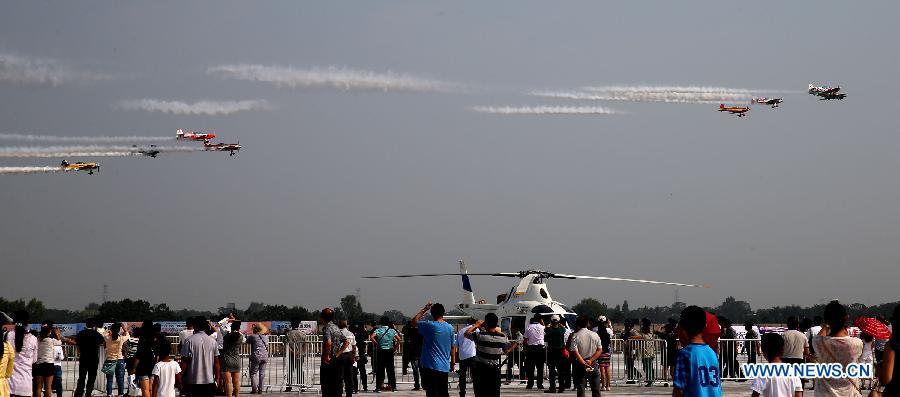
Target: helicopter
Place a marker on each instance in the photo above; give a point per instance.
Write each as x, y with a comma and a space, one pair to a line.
527, 299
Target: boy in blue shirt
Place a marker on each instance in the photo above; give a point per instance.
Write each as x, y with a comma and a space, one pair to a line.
696, 364
438, 350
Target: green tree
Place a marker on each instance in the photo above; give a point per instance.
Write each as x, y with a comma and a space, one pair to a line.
352, 308
591, 308
735, 310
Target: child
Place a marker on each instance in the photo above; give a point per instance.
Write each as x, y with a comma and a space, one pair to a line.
772, 349
166, 373
696, 364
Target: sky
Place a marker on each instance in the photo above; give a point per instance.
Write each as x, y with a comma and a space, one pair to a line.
376, 142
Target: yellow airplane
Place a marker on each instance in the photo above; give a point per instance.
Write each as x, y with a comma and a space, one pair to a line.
80, 166
740, 111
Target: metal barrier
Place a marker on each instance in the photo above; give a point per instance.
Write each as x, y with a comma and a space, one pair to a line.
297, 366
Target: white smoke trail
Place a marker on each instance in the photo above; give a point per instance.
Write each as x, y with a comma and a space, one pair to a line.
200, 107
28, 170
24, 70
91, 151
549, 110
332, 77
99, 139
667, 94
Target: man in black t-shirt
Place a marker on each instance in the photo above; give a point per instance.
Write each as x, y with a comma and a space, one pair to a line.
88, 342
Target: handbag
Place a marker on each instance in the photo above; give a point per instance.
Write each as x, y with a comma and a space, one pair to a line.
109, 367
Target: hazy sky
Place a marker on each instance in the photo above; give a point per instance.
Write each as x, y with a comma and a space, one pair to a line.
380, 166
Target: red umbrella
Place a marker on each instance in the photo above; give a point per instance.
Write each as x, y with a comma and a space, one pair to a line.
872, 326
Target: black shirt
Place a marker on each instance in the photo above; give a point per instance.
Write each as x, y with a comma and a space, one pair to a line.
89, 342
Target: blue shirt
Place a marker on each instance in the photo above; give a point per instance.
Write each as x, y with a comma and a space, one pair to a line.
437, 339
697, 371
385, 337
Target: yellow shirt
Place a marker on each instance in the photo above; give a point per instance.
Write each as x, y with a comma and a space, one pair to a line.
6, 367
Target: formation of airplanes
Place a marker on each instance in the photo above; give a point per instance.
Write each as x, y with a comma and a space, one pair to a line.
824, 93
80, 166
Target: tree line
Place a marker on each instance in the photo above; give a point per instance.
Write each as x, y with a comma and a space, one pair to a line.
350, 308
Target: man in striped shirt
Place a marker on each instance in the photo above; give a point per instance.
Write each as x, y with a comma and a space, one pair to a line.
490, 345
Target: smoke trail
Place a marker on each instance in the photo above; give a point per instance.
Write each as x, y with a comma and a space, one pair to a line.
91, 151
332, 77
550, 110
667, 94
23, 70
200, 107
99, 139
28, 170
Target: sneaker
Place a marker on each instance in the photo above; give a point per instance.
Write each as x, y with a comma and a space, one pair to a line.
631, 382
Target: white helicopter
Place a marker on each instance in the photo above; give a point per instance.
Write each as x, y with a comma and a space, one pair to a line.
523, 301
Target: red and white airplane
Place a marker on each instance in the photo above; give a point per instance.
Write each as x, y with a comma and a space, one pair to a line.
193, 136
222, 147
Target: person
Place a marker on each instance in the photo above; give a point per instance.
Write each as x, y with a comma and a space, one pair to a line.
795, 343
88, 342
7, 358
198, 358
58, 356
438, 350
730, 365
671, 337
629, 352
412, 349
535, 352
146, 357
385, 338
361, 336
465, 355
489, 348
866, 358
333, 342
557, 360
347, 358
296, 337
751, 342
772, 348
606, 356
230, 359
186, 332
218, 330
587, 347
810, 333
514, 357
889, 371
647, 351
48, 340
259, 357
834, 345
878, 345
113, 340
129, 353
696, 364
166, 373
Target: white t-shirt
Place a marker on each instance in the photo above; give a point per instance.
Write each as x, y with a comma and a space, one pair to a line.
465, 346
184, 334
777, 387
535, 334
58, 355
46, 350
166, 371
352, 338
794, 342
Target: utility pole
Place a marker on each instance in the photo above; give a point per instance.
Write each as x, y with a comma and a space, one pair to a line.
105, 296
676, 296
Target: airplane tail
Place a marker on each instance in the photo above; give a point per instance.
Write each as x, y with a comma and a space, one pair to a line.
721, 106
179, 132
468, 295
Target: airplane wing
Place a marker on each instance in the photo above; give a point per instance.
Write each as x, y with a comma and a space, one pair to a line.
633, 280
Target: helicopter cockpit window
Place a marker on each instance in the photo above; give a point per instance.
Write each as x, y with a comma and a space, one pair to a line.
543, 293
504, 325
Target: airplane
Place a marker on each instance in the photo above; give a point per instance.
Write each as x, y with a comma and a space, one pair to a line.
526, 299
740, 111
193, 136
816, 90
80, 166
152, 152
831, 95
767, 101
222, 147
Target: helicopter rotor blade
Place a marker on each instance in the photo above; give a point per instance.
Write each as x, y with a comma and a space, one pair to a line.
445, 274
633, 280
